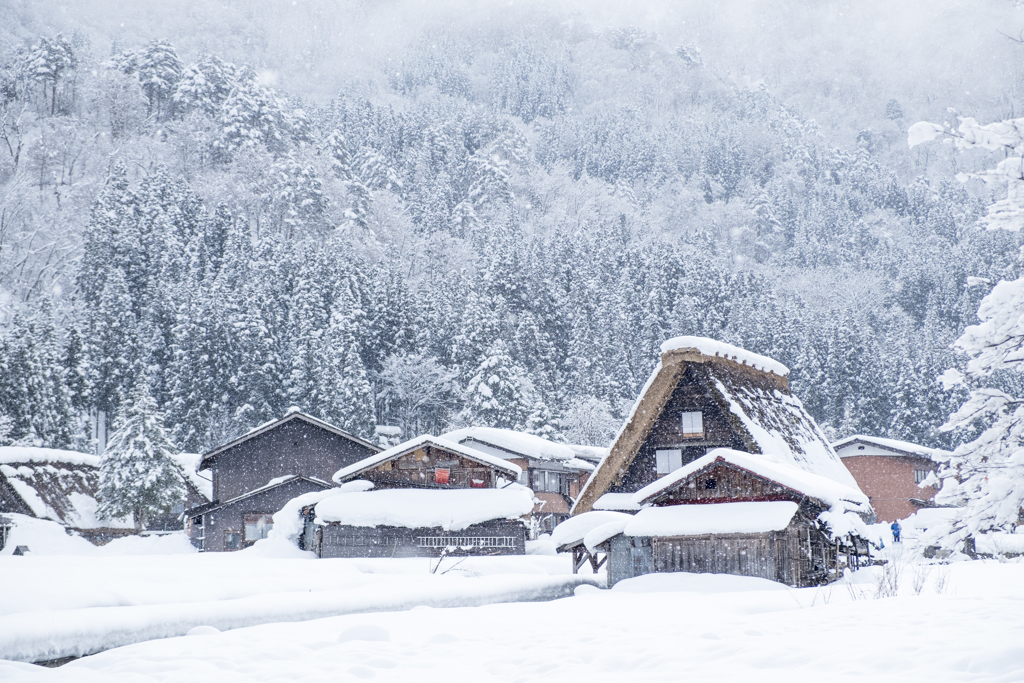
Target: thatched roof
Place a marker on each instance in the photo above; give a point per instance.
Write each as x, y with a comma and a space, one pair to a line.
52, 484
753, 392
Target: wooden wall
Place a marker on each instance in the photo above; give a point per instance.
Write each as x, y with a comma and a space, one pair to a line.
724, 483
294, 447
796, 556
337, 540
417, 469
693, 392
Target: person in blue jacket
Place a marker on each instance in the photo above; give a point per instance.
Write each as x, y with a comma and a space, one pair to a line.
896, 532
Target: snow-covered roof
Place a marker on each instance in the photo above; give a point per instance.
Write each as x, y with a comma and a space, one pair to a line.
189, 463
419, 442
512, 443
893, 446
31, 454
754, 391
593, 454
717, 518
846, 506
616, 501
711, 347
272, 484
451, 509
599, 535
572, 530
53, 484
292, 414
798, 480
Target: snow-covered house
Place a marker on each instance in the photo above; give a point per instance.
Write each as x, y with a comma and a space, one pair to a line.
61, 486
554, 471
703, 395
890, 471
425, 497
730, 512
255, 474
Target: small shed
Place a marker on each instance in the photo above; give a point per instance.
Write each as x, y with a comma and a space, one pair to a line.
554, 471
890, 473
238, 523
731, 512
423, 498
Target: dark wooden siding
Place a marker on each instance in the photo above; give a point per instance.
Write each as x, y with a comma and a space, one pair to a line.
722, 483
799, 555
294, 447
230, 517
337, 540
417, 470
693, 393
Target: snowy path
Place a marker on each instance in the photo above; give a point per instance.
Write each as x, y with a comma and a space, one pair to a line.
662, 628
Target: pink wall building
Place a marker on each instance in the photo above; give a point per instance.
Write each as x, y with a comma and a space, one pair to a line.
888, 472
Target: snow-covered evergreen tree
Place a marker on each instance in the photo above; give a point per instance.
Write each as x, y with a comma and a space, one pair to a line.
496, 396
986, 476
139, 477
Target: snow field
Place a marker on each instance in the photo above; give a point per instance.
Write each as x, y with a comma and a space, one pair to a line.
965, 625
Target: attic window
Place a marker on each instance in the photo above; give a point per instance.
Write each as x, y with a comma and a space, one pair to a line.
669, 460
693, 424
710, 484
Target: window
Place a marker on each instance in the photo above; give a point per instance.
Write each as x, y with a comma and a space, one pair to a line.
669, 460
257, 526
232, 540
544, 480
693, 424
442, 475
710, 484
921, 475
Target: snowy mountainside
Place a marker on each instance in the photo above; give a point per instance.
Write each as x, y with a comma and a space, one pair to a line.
495, 228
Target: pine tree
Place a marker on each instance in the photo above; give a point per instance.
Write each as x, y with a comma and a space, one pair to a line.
495, 396
139, 476
542, 423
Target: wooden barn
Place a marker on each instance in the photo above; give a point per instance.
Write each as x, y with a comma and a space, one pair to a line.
704, 395
554, 471
426, 497
298, 448
730, 512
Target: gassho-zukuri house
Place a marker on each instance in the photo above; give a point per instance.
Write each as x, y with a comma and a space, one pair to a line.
426, 497
719, 469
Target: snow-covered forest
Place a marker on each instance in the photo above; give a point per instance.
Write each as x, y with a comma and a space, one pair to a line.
384, 216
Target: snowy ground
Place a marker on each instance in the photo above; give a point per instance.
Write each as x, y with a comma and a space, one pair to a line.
958, 622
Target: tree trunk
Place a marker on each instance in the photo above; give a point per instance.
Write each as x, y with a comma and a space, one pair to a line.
137, 518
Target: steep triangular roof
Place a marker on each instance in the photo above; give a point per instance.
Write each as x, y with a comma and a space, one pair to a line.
401, 449
797, 481
752, 390
274, 424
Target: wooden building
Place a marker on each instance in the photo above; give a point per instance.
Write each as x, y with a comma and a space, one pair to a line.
704, 395
423, 498
730, 512
554, 471
249, 474
890, 471
296, 444
61, 486
241, 521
